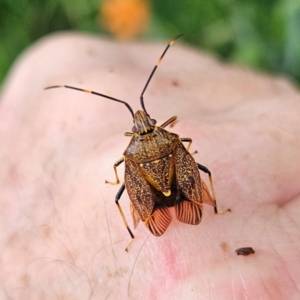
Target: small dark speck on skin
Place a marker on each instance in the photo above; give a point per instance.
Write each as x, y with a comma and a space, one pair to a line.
244, 251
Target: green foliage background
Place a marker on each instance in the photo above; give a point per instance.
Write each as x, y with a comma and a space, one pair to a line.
264, 34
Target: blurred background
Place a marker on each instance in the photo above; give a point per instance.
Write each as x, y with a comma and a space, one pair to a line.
262, 34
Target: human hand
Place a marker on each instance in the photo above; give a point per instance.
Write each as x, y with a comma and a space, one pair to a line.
62, 235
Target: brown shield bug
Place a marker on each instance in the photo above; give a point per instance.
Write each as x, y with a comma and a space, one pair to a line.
160, 172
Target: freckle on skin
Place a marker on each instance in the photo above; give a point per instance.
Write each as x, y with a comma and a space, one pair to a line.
91, 52
47, 232
175, 83
246, 156
224, 246
25, 279
13, 173
275, 136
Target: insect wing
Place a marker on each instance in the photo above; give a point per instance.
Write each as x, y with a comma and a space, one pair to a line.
187, 174
139, 191
135, 216
206, 197
188, 212
189, 208
159, 220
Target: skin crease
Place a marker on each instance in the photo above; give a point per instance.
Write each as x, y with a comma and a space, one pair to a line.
62, 236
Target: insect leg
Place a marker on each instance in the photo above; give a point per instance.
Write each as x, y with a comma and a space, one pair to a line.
168, 122
118, 196
205, 170
115, 168
189, 140
128, 134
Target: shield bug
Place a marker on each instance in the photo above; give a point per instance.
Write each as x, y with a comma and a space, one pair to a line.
160, 172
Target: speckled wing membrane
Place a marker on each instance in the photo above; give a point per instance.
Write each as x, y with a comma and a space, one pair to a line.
189, 208
143, 201
187, 174
139, 191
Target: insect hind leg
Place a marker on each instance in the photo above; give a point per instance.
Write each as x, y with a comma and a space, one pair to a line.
213, 196
118, 196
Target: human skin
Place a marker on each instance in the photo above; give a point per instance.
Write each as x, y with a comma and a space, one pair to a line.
62, 236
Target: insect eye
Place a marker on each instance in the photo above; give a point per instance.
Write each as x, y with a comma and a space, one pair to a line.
133, 129
153, 122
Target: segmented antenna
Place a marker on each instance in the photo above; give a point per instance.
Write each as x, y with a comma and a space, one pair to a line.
153, 71
117, 100
92, 92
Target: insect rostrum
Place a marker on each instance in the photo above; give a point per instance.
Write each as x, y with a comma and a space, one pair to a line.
159, 171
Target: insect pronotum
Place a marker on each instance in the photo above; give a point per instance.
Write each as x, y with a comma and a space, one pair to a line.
159, 171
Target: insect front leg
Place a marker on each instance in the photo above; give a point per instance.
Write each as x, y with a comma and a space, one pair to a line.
118, 196
205, 170
116, 173
168, 122
189, 140
128, 134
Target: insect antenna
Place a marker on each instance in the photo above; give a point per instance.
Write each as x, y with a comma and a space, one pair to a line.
91, 92
153, 71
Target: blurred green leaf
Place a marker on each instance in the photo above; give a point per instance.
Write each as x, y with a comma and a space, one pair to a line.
263, 34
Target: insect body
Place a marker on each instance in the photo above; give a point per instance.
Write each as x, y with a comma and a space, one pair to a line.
159, 172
